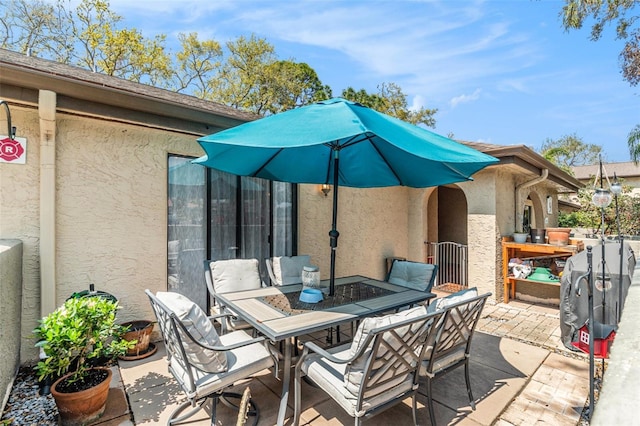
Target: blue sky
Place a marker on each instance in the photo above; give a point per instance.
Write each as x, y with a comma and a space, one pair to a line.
501, 72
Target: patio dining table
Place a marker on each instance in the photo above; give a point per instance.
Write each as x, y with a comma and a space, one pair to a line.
278, 314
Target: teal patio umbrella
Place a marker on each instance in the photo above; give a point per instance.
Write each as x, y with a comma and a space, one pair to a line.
341, 143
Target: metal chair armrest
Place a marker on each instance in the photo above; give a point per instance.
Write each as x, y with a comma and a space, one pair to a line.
310, 346
217, 348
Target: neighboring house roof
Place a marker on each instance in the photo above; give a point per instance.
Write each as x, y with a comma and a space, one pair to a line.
622, 170
524, 158
93, 93
568, 205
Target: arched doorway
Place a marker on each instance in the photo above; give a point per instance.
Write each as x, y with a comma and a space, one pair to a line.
447, 235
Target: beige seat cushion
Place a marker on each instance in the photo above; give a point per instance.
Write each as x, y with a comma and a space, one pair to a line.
330, 377
200, 327
288, 269
235, 275
242, 363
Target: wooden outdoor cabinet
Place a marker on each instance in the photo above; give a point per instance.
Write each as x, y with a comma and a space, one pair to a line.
531, 251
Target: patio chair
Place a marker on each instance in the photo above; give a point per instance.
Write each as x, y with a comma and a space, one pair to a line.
378, 369
223, 276
286, 270
203, 363
453, 344
414, 275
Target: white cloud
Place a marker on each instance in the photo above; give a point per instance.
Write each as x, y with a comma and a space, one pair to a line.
463, 99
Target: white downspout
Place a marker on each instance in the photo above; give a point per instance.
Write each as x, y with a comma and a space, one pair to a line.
518, 194
47, 112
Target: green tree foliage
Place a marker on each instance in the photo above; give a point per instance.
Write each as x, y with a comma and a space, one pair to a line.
293, 85
633, 139
245, 73
392, 101
35, 27
196, 63
609, 12
570, 151
590, 216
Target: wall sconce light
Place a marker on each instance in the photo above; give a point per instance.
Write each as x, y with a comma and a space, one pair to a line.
325, 188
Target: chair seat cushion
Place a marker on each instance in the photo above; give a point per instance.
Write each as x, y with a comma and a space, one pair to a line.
288, 269
354, 373
235, 275
415, 275
241, 363
200, 327
330, 377
443, 362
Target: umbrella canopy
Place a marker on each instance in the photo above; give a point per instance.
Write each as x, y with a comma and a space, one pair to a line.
341, 143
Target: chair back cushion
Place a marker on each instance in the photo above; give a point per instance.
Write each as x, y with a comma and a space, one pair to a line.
452, 299
201, 328
235, 275
415, 275
354, 373
288, 269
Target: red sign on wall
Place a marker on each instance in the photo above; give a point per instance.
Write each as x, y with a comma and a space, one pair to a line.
13, 150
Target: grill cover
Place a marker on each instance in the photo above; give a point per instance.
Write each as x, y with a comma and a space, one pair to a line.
574, 293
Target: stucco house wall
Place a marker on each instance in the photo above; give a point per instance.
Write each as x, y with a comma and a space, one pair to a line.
20, 218
111, 212
10, 314
483, 229
373, 225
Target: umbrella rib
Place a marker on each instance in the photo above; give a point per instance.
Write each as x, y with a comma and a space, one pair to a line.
266, 163
385, 161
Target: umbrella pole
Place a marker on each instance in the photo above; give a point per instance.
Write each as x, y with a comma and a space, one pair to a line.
334, 234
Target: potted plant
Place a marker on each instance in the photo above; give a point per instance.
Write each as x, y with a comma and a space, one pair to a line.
520, 236
139, 333
73, 337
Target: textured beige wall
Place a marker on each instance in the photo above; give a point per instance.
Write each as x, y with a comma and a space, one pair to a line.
20, 220
483, 232
10, 314
112, 209
111, 213
420, 210
373, 225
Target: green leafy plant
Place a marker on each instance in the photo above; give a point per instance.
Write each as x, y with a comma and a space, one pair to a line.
81, 330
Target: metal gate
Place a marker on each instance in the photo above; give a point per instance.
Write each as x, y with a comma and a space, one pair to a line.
452, 261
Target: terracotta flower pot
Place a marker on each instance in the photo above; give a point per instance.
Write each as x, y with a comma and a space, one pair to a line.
141, 332
558, 236
83, 407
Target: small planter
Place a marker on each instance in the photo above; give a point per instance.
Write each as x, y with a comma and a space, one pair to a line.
140, 331
538, 236
520, 237
83, 407
558, 236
